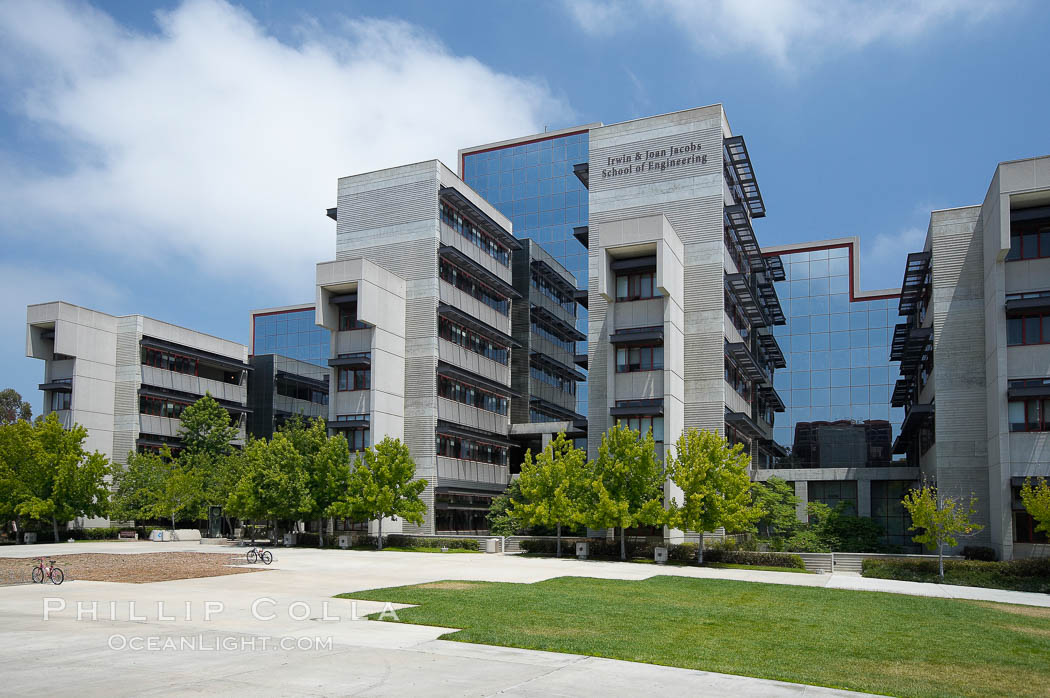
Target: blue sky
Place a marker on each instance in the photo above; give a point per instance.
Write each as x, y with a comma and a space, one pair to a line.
175, 159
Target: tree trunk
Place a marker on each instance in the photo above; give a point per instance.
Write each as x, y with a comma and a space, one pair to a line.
559, 541
54, 528
172, 521
700, 550
623, 543
940, 559
379, 542
320, 531
18, 533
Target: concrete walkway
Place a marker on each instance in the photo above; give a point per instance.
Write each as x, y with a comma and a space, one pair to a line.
224, 634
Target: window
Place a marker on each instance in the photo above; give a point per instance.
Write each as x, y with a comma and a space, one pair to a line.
60, 400
159, 407
1029, 415
1028, 329
737, 380
554, 293
452, 389
469, 449
1029, 240
831, 492
541, 330
169, 361
455, 220
636, 286
473, 288
472, 341
354, 378
551, 378
357, 439
642, 424
643, 358
299, 391
348, 318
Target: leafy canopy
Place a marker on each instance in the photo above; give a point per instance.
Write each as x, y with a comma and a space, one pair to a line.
716, 488
552, 485
624, 485
1036, 500
776, 499
13, 407
939, 519
381, 485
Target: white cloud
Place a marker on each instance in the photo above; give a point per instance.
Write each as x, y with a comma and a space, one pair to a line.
882, 261
787, 32
214, 141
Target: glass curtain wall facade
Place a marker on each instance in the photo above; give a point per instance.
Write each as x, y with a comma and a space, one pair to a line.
292, 334
839, 379
532, 183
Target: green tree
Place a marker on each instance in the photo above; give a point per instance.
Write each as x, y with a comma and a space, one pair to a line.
501, 512
552, 486
326, 460
624, 484
13, 407
274, 485
137, 485
1036, 500
58, 480
205, 428
19, 450
939, 519
776, 499
181, 494
716, 489
381, 485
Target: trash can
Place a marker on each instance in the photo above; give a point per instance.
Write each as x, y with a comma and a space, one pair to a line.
660, 555
289, 539
29, 538
344, 542
491, 545
581, 549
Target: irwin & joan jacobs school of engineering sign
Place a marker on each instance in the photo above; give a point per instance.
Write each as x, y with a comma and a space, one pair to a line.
654, 160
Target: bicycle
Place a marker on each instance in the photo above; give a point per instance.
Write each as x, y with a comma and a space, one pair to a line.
256, 554
51, 572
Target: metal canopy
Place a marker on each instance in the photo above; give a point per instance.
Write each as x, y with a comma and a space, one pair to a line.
915, 348
771, 302
903, 391
478, 326
343, 298
634, 263
1028, 388
450, 371
737, 284
450, 429
917, 416
206, 356
56, 386
582, 233
900, 338
555, 409
315, 383
771, 348
776, 267
483, 275
774, 447
737, 220
359, 420
1018, 306
745, 362
640, 408
361, 359
915, 272
479, 217
332, 213
580, 360
582, 170
551, 274
773, 397
555, 323
744, 423
740, 162
637, 335
556, 366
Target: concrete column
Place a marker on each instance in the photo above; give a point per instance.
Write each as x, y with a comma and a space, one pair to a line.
545, 439
864, 498
802, 492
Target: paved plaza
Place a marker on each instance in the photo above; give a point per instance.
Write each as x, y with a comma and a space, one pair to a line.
280, 632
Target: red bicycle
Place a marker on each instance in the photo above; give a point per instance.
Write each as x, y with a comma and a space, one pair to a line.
48, 571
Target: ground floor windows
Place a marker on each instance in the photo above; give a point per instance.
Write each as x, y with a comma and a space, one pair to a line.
461, 513
887, 509
643, 424
1024, 529
832, 492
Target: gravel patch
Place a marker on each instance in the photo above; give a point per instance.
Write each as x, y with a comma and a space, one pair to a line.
133, 569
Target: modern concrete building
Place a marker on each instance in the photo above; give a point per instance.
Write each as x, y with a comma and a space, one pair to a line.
418, 301
974, 365
128, 378
289, 357
543, 364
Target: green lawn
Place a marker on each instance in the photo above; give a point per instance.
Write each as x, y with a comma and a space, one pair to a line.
398, 549
760, 568
864, 641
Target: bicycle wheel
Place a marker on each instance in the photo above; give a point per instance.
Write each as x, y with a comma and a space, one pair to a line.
267, 556
38, 575
57, 576
251, 557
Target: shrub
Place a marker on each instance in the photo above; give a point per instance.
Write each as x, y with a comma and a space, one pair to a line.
979, 552
806, 541
402, 541
1030, 574
747, 557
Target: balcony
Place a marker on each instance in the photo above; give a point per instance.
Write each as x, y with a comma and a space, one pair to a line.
479, 218
473, 417
473, 474
467, 360
450, 238
193, 385
738, 285
916, 281
467, 304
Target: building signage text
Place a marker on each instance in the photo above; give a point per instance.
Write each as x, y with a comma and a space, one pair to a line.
654, 160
